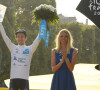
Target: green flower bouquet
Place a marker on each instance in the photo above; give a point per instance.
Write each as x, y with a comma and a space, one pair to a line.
47, 12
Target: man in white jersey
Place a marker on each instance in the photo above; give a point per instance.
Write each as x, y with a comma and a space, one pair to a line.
20, 59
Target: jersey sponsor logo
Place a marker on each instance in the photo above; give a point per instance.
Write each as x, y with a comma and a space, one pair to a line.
15, 58
25, 65
21, 60
19, 65
14, 64
17, 50
26, 51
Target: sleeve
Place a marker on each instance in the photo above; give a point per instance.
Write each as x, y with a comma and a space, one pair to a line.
5, 37
35, 44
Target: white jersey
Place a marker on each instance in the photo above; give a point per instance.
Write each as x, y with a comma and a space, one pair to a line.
20, 56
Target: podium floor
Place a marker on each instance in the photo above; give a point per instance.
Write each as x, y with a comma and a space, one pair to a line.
86, 78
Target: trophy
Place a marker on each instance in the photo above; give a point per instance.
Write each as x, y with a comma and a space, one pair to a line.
2, 12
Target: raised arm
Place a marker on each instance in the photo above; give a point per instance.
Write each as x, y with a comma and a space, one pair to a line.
35, 44
5, 37
53, 62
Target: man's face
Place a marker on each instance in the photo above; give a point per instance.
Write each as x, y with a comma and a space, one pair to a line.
21, 39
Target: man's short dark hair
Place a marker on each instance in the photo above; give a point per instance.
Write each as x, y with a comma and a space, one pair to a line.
21, 31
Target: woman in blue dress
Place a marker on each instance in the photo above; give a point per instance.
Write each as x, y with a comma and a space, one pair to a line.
63, 61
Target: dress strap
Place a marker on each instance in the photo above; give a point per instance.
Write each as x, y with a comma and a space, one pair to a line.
54, 50
71, 51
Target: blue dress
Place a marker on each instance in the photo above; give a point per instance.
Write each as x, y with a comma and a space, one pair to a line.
63, 79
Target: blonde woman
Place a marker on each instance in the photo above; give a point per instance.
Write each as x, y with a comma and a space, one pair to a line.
63, 61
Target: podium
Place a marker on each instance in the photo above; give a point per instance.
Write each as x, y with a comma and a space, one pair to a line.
86, 78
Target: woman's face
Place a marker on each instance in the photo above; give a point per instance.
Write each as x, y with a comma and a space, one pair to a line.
63, 38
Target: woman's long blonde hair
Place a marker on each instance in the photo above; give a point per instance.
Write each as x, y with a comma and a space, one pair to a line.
69, 42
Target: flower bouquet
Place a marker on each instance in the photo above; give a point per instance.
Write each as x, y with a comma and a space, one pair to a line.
46, 14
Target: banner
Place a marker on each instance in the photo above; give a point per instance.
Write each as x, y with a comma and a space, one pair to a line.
47, 38
42, 30
2, 12
91, 9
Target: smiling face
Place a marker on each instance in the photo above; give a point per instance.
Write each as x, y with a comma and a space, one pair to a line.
63, 38
21, 39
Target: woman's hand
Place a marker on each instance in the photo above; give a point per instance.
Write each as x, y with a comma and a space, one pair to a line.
71, 64
64, 55
55, 67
